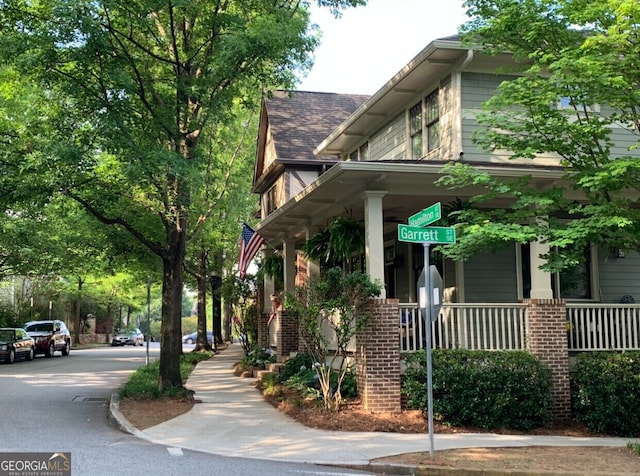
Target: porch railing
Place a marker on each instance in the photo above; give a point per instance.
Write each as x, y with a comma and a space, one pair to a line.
466, 326
593, 327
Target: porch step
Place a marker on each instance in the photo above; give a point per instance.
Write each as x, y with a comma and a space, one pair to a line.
275, 367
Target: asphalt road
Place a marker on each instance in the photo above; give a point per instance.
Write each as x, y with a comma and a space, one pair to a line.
60, 404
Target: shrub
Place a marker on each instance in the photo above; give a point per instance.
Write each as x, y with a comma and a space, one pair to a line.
480, 388
257, 358
294, 365
606, 392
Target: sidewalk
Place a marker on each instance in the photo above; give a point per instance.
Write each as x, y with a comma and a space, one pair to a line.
234, 420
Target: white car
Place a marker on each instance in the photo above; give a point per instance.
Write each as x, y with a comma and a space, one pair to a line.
128, 337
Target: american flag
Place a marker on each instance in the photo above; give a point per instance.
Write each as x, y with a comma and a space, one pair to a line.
250, 243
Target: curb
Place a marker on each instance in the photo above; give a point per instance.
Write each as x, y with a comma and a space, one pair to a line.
118, 420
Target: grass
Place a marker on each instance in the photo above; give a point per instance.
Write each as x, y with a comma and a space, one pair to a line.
143, 384
635, 447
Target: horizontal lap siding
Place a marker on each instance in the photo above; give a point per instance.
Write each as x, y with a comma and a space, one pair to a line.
389, 143
491, 277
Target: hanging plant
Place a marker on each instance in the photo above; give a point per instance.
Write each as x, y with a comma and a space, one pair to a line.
335, 244
273, 267
346, 237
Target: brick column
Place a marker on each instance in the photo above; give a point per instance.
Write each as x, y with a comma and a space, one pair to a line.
547, 332
286, 335
263, 331
378, 358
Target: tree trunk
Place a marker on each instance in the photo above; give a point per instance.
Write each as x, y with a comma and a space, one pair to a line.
171, 327
202, 343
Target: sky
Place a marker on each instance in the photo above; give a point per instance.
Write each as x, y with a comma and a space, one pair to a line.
367, 46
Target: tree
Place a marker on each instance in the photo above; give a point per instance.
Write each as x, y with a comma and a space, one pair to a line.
579, 54
331, 310
131, 89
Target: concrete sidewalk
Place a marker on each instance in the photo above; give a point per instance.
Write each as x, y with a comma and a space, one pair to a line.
234, 420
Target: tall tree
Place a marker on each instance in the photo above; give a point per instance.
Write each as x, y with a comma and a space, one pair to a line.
131, 88
578, 97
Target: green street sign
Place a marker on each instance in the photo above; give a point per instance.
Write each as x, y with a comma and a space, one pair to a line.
426, 216
430, 234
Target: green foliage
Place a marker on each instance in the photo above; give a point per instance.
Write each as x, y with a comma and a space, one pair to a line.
330, 310
480, 388
584, 54
606, 392
295, 364
257, 358
143, 384
635, 447
334, 245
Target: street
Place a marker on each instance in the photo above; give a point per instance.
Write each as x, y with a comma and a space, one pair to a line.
60, 404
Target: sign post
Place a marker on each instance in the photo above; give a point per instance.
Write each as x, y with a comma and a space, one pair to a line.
417, 231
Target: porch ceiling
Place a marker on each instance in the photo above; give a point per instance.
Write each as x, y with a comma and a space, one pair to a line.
409, 188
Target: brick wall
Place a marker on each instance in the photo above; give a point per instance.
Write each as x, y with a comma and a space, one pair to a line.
287, 335
547, 331
263, 331
378, 358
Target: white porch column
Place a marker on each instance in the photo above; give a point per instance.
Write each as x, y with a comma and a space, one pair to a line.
540, 279
289, 257
374, 236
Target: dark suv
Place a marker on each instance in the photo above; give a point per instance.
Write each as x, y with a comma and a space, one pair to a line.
50, 336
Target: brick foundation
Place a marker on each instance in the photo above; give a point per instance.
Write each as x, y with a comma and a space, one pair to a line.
378, 358
547, 330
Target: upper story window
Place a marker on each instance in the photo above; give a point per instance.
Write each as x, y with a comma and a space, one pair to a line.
432, 122
415, 130
361, 153
425, 134
270, 200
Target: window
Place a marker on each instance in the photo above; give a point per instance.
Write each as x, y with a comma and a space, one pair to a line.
428, 131
364, 151
415, 130
570, 283
432, 107
270, 200
361, 154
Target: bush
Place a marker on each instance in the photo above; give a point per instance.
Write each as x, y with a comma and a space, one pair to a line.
299, 372
293, 365
606, 392
257, 358
490, 390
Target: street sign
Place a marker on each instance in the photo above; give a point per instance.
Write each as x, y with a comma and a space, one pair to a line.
430, 234
427, 216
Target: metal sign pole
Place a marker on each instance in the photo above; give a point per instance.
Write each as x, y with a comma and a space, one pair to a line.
148, 316
428, 320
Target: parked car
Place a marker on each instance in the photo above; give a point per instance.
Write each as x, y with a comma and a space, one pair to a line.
191, 338
50, 336
128, 337
16, 344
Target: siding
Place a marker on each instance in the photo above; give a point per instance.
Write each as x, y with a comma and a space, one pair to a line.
491, 277
619, 276
389, 143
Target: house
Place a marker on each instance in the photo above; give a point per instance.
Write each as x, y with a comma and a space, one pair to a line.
378, 158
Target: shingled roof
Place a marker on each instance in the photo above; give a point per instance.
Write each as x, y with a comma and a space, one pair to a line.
301, 120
